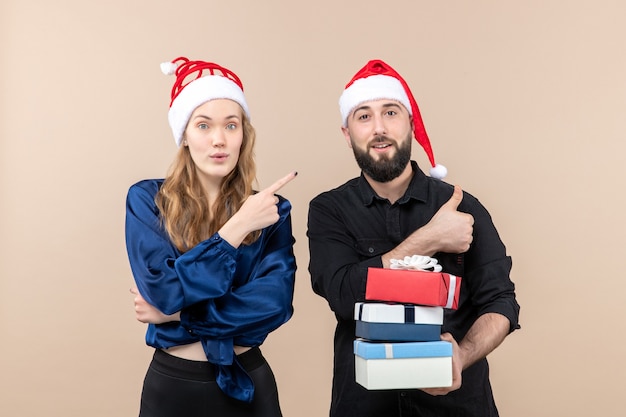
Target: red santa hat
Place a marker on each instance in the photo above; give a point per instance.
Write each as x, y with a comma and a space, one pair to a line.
376, 81
192, 88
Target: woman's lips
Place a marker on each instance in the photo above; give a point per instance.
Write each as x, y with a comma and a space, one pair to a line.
218, 157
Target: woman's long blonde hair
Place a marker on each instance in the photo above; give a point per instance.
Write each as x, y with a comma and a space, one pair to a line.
183, 202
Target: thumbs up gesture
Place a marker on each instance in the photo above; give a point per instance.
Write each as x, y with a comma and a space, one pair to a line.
452, 229
448, 231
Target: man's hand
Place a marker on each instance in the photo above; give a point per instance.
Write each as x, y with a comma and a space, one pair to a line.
448, 231
486, 334
147, 313
457, 368
452, 229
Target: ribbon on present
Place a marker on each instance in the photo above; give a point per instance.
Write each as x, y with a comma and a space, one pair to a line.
388, 350
409, 314
420, 262
451, 292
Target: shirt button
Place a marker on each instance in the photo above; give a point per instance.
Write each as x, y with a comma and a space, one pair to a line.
371, 250
403, 394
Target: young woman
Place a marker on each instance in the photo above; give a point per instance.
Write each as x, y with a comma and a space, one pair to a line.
213, 260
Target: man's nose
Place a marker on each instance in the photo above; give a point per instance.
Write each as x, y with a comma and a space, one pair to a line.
379, 126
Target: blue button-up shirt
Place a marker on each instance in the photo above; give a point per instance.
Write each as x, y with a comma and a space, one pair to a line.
227, 296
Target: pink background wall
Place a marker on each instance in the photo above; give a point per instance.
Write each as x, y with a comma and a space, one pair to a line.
524, 102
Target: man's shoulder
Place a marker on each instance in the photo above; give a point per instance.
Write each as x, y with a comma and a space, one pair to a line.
338, 193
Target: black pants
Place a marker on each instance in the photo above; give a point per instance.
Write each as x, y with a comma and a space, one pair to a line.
176, 387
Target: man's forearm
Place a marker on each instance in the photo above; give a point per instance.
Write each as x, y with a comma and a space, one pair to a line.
486, 334
418, 243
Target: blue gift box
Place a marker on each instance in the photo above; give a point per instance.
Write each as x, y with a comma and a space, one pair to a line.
375, 350
398, 332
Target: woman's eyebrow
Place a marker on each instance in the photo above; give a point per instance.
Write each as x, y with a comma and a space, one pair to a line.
203, 116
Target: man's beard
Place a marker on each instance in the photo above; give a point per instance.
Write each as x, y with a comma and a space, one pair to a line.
385, 169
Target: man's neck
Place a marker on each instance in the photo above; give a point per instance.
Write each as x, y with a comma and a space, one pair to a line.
394, 189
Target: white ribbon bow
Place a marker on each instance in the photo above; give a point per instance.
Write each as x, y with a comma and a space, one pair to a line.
416, 262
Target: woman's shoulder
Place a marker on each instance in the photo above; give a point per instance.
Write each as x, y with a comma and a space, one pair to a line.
143, 192
147, 185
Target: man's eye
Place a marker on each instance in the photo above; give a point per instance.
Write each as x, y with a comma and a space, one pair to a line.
391, 113
364, 116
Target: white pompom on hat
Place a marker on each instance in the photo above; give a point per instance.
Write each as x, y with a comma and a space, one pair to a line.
187, 95
376, 81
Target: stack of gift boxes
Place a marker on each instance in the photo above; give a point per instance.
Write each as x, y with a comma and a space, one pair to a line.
398, 328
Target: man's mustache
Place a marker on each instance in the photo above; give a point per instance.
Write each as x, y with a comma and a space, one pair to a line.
382, 138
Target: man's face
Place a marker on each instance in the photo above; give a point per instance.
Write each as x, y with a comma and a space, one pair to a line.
380, 135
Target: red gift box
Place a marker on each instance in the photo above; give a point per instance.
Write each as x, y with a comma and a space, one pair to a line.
413, 286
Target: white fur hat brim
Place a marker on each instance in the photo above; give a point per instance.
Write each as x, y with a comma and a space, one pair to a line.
198, 92
374, 87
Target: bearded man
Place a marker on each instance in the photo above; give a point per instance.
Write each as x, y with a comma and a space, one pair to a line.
393, 210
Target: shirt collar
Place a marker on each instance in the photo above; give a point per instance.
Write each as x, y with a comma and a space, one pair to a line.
417, 189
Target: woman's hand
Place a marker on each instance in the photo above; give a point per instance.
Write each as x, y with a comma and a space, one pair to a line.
147, 313
257, 212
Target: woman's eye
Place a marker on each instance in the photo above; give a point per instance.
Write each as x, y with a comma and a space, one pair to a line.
231, 126
203, 126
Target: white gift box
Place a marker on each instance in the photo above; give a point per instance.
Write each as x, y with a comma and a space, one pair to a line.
398, 313
405, 365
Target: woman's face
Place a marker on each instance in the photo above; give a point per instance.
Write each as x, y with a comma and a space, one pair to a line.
214, 135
